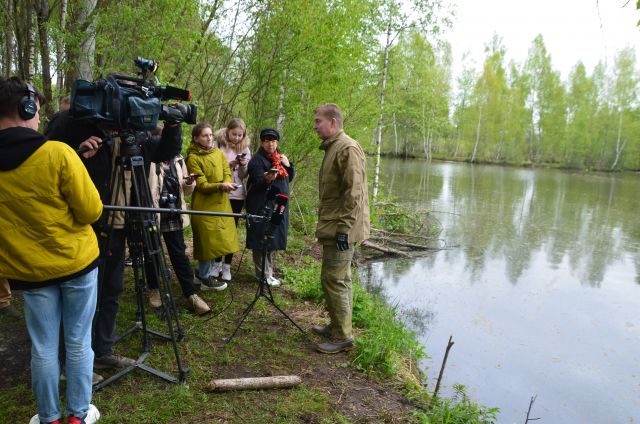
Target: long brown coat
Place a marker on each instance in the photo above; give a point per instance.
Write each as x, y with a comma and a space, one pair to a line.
344, 199
213, 236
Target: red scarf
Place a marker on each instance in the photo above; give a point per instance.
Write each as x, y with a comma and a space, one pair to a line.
276, 162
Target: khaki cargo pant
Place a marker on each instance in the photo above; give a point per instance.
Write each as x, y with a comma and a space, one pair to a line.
335, 277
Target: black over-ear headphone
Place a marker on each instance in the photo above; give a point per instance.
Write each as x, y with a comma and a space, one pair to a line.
27, 107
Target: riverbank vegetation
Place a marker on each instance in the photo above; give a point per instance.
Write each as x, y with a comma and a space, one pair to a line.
377, 382
389, 69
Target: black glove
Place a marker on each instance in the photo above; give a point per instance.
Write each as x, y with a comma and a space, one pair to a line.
342, 241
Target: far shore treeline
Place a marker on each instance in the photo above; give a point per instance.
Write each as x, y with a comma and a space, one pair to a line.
383, 62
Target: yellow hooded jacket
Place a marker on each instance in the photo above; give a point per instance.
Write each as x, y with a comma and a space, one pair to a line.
47, 203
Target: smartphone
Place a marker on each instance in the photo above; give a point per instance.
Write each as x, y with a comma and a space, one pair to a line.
194, 176
237, 186
273, 170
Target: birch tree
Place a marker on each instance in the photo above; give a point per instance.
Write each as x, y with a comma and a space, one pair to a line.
397, 17
625, 92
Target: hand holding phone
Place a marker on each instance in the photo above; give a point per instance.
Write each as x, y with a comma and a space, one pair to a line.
273, 171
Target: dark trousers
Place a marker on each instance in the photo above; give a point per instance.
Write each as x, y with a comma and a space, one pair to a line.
110, 287
174, 241
236, 207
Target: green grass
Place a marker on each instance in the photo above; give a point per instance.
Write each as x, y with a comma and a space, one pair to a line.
267, 344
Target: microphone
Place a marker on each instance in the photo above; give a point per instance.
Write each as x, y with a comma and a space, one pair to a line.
279, 208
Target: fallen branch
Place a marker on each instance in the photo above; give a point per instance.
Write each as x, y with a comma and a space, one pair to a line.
275, 382
403, 243
384, 249
444, 363
391, 233
533, 399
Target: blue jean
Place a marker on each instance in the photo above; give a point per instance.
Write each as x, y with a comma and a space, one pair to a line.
204, 268
73, 303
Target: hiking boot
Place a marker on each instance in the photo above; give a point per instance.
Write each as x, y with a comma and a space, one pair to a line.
11, 312
273, 282
198, 305
95, 378
92, 416
36, 420
226, 272
213, 284
154, 298
321, 330
112, 361
216, 269
335, 347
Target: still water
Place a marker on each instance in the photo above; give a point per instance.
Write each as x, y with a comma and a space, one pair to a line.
539, 287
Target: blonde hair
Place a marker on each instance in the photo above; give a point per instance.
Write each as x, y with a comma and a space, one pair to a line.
222, 136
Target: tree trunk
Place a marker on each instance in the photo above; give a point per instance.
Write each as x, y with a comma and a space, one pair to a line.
387, 47
475, 146
80, 59
395, 134
281, 114
8, 39
31, 45
43, 17
619, 144
88, 45
25, 39
60, 54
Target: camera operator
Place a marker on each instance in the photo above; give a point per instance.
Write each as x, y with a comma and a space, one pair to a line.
99, 160
47, 203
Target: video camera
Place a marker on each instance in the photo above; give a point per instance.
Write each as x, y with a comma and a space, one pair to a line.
131, 103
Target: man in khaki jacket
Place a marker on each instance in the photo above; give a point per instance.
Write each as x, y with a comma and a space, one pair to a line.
343, 220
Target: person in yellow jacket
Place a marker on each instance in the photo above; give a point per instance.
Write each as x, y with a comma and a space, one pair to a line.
213, 236
49, 250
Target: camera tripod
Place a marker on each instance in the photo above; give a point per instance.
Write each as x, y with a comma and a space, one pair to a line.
263, 290
143, 240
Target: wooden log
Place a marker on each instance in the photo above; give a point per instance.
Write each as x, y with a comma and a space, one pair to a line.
392, 234
403, 243
251, 383
384, 249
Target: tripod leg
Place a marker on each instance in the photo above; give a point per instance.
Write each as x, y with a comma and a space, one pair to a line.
269, 297
144, 240
245, 313
263, 287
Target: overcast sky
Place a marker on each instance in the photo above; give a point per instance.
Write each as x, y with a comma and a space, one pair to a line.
573, 30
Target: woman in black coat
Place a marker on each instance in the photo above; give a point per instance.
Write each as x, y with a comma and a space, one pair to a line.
269, 174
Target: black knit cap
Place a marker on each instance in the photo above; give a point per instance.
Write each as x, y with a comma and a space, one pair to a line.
269, 134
